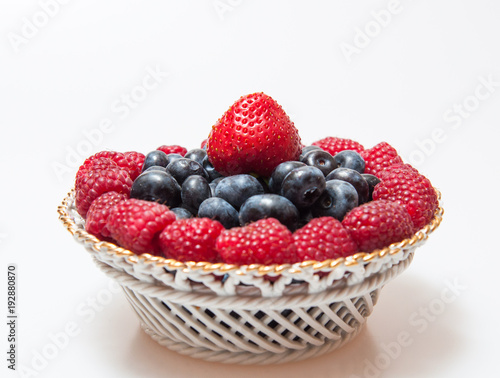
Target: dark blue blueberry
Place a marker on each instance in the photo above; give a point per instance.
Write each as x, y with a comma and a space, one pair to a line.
212, 173
156, 168
181, 213
350, 159
307, 149
355, 179
173, 156
220, 210
280, 172
236, 189
195, 189
158, 187
156, 157
269, 206
320, 159
336, 201
303, 186
196, 154
372, 182
182, 168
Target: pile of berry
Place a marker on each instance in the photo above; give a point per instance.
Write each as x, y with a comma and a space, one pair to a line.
253, 194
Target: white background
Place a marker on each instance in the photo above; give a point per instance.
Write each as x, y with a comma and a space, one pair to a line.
404, 83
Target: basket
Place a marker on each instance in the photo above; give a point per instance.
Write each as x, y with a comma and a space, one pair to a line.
252, 314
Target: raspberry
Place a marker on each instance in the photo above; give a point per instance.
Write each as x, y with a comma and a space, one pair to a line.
191, 239
379, 157
334, 145
121, 160
94, 164
173, 149
97, 216
265, 241
377, 224
323, 238
135, 224
404, 185
138, 157
92, 183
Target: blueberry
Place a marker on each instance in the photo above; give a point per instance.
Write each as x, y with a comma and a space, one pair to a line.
196, 154
306, 149
279, 174
155, 168
336, 201
220, 210
173, 156
269, 205
156, 157
157, 186
212, 173
355, 179
372, 182
236, 189
181, 213
195, 189
320, 159
183, 168
303, 186
350, 159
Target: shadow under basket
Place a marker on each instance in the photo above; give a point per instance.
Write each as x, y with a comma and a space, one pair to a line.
253, 314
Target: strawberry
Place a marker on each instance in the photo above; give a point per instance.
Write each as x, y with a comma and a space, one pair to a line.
253, 136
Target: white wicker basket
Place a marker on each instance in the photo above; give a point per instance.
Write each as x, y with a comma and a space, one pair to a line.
251, 314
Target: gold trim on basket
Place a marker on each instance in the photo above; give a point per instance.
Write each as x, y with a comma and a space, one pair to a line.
358, 258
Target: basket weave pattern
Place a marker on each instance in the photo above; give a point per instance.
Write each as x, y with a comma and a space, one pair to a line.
236, 314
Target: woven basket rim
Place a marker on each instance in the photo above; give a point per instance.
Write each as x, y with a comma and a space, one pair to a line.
359, 258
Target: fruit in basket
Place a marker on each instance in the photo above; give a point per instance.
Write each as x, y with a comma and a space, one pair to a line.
253, 136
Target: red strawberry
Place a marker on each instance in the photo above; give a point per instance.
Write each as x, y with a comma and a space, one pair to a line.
404, 185
97, 180
97, 216
265, 241
173, 149
135, 224
323, 238
379, 157
377, 224
253, 136
334, 145
191, 239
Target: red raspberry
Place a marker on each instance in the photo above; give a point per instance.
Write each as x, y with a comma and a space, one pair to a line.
121, 160
99, 180
97, 216
253, 136
404, 185
138, 157
136, 224
173, 149
377, 224
323, 238
379, 157
265, 241
334, 145
191, 239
